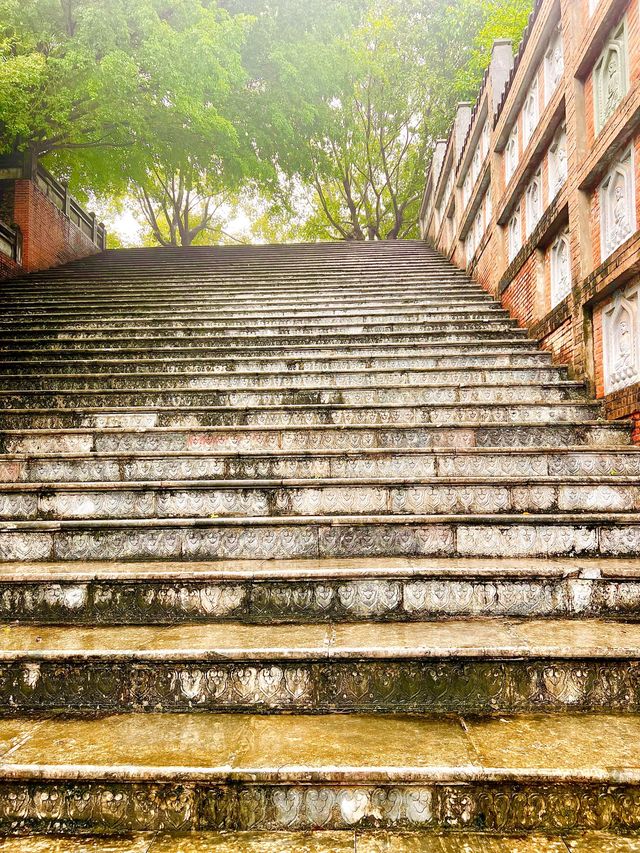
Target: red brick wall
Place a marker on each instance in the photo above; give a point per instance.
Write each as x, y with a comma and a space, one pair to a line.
520, 295
560, 343
49, 237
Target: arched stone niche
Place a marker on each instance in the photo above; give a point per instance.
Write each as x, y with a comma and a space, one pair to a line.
558, 169
530, 112
621, 340
560, 268
617, 205
511, 154
611, 76
514, 235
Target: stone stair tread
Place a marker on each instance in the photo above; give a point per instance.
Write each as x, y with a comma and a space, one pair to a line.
349, 750
328, 568
342, 841
485, 639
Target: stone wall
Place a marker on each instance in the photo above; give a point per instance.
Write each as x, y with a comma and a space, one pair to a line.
51, 227
536, 191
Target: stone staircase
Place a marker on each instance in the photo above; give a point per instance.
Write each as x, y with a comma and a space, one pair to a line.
307, 548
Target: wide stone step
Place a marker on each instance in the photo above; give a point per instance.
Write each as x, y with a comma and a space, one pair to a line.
614, 462
344, 311
72, 348
142, 361
131, 433
343, 536
233, 392
471, 667
202, 312
300, 773
344, 841
59, 409
316, 591
268, 499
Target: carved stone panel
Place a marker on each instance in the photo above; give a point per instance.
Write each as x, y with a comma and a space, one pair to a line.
511, 154
514, 235
558, 162
533, 202
611, 76
621, 340
617, 205
560, 268
553, 65
530, 112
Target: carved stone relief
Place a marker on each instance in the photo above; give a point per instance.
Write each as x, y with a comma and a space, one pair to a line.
553, 66
610, 76
533, 202
558, 162
617, 205
511, 154
530, 112
514, 235
560, 269
621, 340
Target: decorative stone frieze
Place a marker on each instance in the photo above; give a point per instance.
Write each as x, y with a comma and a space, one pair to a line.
618, 204
560, 268
533, 202
557, 161
611, 76
553, 65
621, 339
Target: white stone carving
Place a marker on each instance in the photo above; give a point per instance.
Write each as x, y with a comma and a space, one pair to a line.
617, 205
469, 246
558, 162
488, 202
553, 66
476, 163
466, 189
511, 154
621, 340
478, 227
530, 112
610, 76
533, 202
514, 235
486, 139
560, 269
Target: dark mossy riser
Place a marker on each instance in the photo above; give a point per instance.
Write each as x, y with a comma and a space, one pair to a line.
518, 807
260, 602
431, 686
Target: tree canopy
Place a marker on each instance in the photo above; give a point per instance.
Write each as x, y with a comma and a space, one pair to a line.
321, 115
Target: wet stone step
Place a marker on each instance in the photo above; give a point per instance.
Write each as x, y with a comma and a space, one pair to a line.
408, 465
315, 591
41, 409
316, 498
236, 393
322, 842
346, 772
297, 537
486, 667
153, 360
114, 432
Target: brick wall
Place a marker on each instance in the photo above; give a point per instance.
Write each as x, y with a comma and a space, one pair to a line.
545, 128
54, 229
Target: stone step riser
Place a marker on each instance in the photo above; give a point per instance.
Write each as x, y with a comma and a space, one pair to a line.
474, 330
479, 808
115, 469
55, 411
309, 500
201, 309
132, 438
279, 685
314, 601
544, 536
534, 367
245, 394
